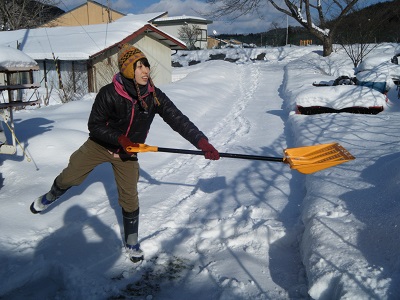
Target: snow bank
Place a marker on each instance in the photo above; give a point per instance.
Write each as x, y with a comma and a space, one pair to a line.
351, 216
386, 52
350, 213
241, 55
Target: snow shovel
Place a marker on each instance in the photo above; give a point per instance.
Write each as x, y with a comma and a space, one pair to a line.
306, 160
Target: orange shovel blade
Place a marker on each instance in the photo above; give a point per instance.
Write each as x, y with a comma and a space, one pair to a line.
310, 159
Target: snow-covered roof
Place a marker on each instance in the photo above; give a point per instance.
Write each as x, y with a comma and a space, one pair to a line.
81, 42
15, 60
149, 17
181, 19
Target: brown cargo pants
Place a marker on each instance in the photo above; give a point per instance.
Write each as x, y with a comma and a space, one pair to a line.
90, 155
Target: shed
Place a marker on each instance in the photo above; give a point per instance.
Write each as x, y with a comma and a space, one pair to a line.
16, 70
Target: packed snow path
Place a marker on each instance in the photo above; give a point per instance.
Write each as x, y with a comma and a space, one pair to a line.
270, 264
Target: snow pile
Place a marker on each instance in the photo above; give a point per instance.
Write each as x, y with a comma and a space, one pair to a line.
13, 58
381, 76
373, 61
241, 55
351, 214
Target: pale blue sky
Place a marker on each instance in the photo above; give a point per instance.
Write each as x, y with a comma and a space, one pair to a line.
245, 24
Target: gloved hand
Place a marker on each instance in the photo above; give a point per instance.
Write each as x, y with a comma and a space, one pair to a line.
209, 151
126, 142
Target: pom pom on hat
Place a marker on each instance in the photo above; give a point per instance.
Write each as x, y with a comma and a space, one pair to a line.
127, 56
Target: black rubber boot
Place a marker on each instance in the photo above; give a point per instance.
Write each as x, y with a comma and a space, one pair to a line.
131, 228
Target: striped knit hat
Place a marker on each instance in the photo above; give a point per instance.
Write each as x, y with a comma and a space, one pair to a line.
127, 56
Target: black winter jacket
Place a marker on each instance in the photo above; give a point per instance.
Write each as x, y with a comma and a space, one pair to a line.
114, 114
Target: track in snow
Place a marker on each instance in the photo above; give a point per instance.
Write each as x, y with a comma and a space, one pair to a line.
249, 192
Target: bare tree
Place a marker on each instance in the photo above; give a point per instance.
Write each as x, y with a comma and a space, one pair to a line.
320, 17
274, 28
361, 32
358, 38
74, 87
23, 14
189, 34
357, 52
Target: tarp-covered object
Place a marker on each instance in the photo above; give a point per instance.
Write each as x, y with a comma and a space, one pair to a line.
346, 97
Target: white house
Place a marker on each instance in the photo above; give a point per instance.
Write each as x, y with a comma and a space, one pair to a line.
173, 24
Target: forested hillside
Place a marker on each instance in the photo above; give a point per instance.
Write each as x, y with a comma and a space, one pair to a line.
382, 19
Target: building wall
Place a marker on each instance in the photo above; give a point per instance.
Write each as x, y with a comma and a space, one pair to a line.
174, 31
159, 56
73, 75
86, 14
48, 67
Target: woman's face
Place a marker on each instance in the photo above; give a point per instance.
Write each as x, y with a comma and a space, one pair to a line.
141, 73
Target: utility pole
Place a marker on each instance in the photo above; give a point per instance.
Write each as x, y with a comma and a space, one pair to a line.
108, 12
287, 29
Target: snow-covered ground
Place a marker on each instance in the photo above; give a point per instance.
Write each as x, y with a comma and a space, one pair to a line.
227, 229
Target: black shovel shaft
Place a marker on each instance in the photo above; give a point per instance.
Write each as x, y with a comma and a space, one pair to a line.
231, 155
